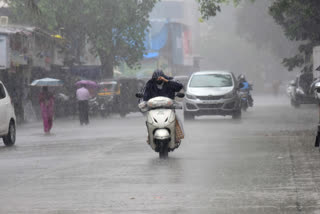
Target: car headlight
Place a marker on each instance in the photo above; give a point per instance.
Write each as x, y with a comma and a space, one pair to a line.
300, 91
191, 97
229, 95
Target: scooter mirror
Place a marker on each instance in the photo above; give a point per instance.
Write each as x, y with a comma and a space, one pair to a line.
139, 95
180, 95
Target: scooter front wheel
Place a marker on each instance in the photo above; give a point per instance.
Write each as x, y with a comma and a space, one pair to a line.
163, 153
244, 106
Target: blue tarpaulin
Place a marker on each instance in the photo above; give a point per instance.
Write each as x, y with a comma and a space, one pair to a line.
151, 55
156, 39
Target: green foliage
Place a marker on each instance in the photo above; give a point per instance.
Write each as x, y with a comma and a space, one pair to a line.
262, 30
31, 4
301, 22
116, 28
299, 19
210, 8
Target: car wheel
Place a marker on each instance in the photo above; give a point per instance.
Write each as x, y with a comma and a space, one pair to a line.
10, 138
237, 115
188, 115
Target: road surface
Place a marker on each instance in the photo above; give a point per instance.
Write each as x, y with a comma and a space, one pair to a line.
265, 163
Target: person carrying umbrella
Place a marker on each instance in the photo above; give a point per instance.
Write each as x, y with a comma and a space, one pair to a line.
83, 96
46, 100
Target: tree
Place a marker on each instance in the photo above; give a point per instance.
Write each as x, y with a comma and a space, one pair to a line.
31, 4
115, 28
301, 22
262, 30
210, 8
299, 19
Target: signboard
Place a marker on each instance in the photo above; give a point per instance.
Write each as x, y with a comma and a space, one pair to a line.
17, 58
4, 60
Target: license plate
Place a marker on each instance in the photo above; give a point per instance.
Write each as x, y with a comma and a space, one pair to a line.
211, 102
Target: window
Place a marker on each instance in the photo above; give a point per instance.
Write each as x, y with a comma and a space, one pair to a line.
2, 92
211, 80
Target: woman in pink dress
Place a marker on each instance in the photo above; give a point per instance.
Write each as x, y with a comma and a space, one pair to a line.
46, 101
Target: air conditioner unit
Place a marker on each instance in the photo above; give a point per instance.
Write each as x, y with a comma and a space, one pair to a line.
4, 20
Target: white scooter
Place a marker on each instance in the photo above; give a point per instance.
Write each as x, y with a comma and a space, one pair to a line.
161, 123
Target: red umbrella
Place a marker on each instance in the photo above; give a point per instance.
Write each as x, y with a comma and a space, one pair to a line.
88, 83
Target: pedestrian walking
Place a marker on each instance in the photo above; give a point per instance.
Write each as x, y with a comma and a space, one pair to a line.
83, 96
46, 100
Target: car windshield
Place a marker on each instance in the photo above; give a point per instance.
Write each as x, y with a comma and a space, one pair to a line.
111, 87
211, 80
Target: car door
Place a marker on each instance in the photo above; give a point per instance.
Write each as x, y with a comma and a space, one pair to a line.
4, 105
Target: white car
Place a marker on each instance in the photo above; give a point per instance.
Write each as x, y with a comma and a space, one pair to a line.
7, 118
212, 93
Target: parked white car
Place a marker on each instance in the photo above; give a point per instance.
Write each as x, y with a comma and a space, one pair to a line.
7, 118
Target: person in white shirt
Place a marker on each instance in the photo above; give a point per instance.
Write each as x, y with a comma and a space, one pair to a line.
83, 96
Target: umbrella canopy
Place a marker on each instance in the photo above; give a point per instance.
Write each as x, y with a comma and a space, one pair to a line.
88, 83
47, 82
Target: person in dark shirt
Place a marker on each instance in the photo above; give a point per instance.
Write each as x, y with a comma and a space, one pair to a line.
161, 85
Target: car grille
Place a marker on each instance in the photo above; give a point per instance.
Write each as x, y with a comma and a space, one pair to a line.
191, 106
209, 97
210, 105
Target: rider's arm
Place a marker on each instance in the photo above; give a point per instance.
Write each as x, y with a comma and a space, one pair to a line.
146, 94
175, 85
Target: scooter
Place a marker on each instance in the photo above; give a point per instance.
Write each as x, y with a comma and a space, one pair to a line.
244, 94
244, 100
161, 123
93, 106
105, 105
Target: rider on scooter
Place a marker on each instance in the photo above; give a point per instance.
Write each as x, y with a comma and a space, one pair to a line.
161, 85
246, 87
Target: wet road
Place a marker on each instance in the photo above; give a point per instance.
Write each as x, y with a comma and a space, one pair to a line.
265, 163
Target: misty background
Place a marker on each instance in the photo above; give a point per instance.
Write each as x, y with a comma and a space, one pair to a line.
245, 39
